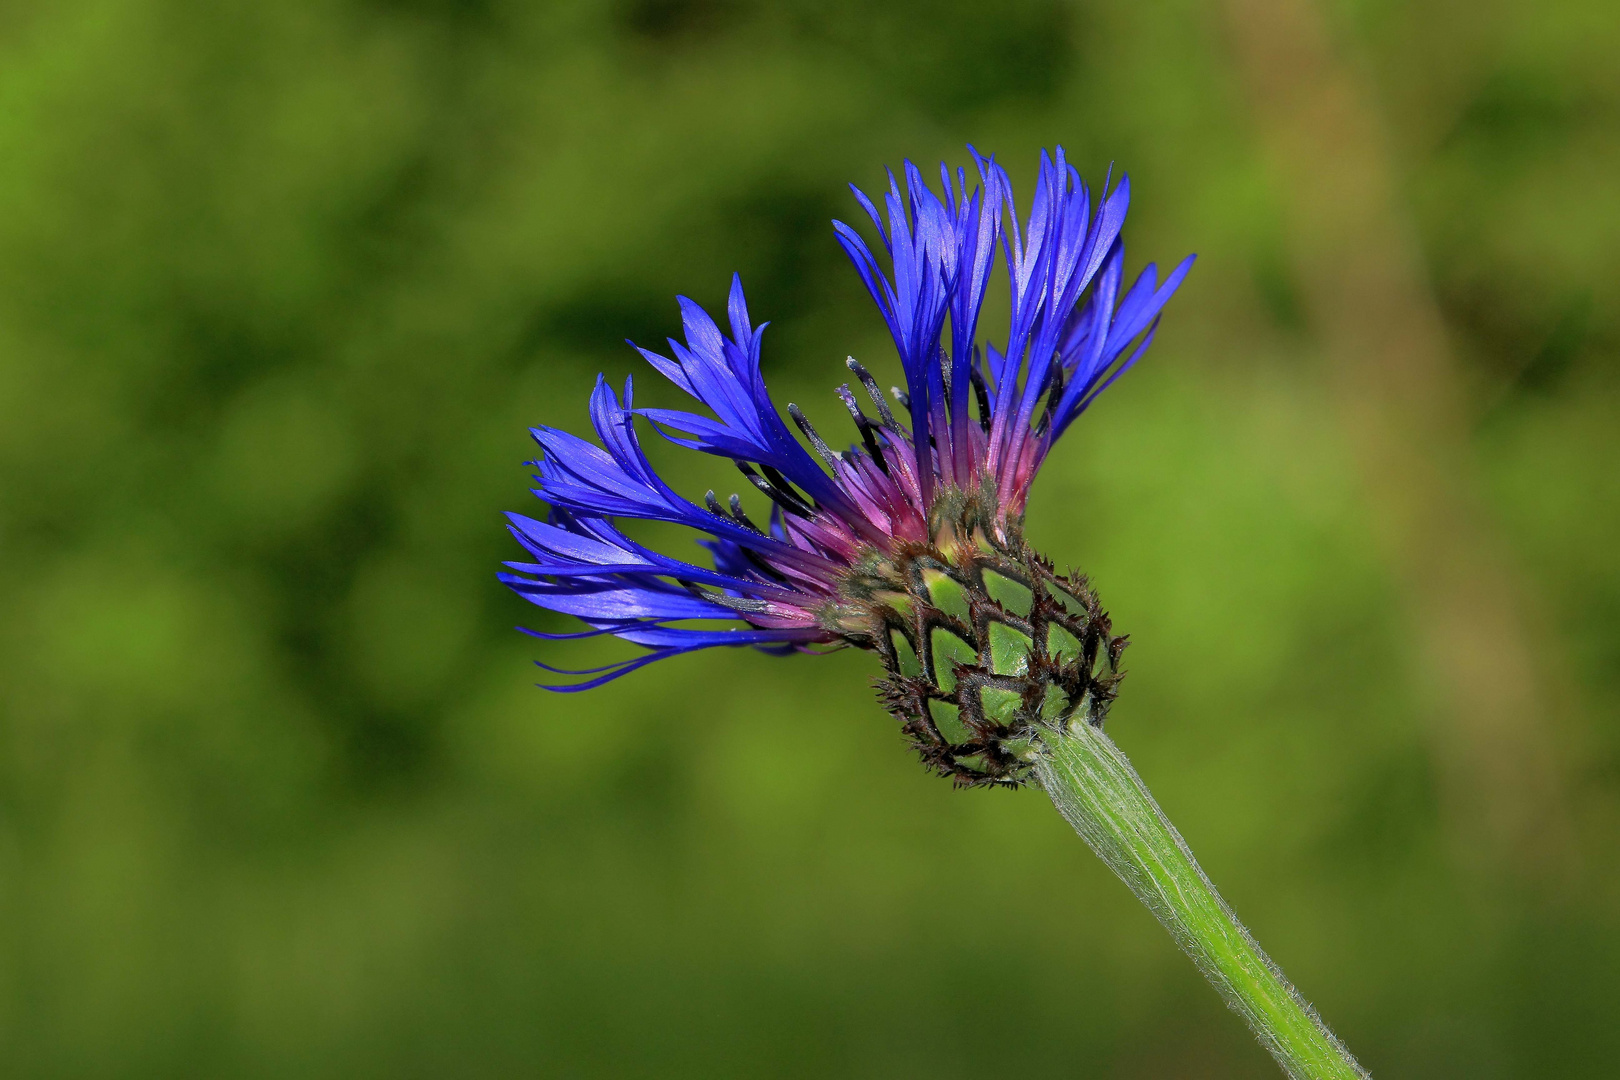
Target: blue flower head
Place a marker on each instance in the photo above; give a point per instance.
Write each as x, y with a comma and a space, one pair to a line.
871, 545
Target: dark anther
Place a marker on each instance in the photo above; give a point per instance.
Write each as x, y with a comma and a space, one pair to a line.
764, 486
736, 511
902, 397
816, 440
1054, 392
782, 484
873, 392
743, 518
781, 496
864, 425
982, 392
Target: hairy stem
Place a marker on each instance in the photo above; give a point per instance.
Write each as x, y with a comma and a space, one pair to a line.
1099, 793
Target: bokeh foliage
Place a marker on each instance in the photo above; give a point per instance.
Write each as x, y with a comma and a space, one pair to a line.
281, 286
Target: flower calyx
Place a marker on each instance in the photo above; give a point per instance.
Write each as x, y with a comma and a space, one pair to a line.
984, 646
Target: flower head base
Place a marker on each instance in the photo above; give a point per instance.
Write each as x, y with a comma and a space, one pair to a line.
984, 645
910, 539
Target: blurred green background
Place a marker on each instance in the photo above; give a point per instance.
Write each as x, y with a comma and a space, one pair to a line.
283, 284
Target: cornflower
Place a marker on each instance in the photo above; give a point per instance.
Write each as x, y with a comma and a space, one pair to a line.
909, 543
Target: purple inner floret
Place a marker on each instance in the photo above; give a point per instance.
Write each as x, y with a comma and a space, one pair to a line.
981, 420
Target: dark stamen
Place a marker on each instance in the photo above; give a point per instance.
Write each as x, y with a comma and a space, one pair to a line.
873, 392
782, 483
1054, 391
743, 518
782, 497
765, 569
864, 425
816, 440
982, 392
902, 397
736, 511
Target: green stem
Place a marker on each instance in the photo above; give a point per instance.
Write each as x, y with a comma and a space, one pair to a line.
1098, 792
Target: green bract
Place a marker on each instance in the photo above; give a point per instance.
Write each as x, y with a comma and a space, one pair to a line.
984, 644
